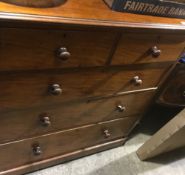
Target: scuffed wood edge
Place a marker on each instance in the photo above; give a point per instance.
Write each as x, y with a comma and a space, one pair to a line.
5, 16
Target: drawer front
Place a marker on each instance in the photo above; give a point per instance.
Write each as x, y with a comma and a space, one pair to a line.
23, 49
31, 122
146, 48
32, 89
48, 146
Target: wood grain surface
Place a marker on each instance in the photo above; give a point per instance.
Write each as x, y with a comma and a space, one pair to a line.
24, 49
94, 13
61, 143
59, 71
137, 48
64, 157
19, 124
26, 89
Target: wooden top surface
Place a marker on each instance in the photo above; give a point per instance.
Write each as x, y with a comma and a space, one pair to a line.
87, 12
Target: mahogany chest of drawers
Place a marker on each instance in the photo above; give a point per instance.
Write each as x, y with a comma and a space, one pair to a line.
72, 87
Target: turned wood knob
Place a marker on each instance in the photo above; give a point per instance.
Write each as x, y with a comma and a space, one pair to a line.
106, 133
184, 94
55, 89
137, 80
45, 120
37, 150
121, 108
63, 53
156, 51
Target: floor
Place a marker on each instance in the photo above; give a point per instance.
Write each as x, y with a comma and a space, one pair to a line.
123, 160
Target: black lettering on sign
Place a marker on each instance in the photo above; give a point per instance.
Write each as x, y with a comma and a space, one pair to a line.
152, 7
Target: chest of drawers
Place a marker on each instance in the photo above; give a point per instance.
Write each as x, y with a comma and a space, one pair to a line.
76, 83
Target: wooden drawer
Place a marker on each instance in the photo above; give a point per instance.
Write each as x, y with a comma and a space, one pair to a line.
19, 124
23, 49
20, 90
27, 151
137, 48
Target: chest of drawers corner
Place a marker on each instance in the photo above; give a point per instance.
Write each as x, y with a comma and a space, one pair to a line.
67, 93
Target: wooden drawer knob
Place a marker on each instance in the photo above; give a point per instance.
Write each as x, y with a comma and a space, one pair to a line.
55, 89
63, 53
37, 150
106, 133
137, 80
45, 120
156, 52
184, 94
121, 108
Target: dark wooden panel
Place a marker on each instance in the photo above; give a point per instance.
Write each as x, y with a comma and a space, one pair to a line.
173, 91
20, 90
39, 49
19, 124
137, 48
62, 142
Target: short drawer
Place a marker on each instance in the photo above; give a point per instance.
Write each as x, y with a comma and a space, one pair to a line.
145, 48
20, 124
20, 90
23, 49
48, 146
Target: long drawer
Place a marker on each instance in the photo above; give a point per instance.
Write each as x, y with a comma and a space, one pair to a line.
147, 48
48, 146
19, 124
23, 89
24, 49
